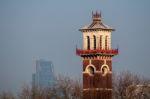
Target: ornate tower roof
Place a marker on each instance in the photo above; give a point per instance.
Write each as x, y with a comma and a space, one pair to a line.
96, 24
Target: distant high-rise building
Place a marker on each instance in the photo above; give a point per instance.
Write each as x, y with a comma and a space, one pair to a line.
44, 75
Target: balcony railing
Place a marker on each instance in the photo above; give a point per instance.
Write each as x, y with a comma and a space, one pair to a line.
97, 51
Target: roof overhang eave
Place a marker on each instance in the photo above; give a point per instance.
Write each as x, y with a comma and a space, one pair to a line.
83, 30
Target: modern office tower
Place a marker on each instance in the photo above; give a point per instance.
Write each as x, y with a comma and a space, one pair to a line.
44, 75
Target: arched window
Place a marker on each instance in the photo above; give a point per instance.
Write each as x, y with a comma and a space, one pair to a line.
104, 70
91, 70
100, 42
94, 41
88, 42
106, 42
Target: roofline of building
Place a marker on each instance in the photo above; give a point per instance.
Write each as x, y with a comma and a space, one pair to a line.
96, 29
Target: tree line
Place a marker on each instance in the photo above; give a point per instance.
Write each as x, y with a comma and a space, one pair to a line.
126, 85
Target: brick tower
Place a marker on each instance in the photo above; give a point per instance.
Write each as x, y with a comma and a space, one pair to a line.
97, 59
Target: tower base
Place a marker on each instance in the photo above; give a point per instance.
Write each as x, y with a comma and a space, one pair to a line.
97, 94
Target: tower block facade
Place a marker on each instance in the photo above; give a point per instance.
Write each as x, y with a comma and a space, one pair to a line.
97, 59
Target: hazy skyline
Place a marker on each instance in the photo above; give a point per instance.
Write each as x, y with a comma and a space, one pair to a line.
48, 29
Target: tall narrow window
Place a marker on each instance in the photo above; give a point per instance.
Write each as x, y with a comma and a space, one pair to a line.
88, 42
94, 41
100, 42
106, 42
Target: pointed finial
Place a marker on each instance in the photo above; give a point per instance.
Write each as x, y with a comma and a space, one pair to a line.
96, 13
100, 14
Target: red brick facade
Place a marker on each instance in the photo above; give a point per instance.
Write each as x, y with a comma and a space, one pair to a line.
97, 86
105, 94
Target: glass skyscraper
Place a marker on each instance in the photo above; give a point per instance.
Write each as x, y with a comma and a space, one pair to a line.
44, 75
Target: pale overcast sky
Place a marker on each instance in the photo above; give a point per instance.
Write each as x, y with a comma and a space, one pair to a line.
48, 29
